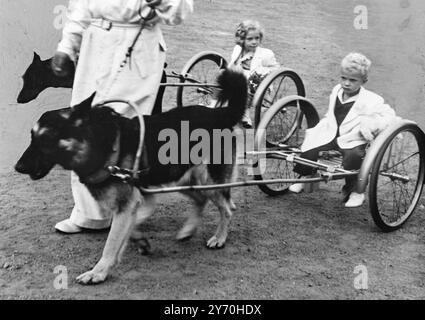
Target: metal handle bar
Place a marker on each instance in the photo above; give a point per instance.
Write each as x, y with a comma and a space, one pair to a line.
170, 84
244, 183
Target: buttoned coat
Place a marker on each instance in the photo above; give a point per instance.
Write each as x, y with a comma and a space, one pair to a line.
99, 33
95, 34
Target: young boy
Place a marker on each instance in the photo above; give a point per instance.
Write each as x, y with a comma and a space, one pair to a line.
355, 116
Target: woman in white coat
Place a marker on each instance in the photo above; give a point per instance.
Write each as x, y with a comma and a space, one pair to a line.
355, 116
98, 34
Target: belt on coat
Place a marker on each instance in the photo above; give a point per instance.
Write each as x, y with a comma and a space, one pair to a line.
108, 24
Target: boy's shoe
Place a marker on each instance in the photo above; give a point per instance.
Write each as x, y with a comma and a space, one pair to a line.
296, 187
355, 200
66, 226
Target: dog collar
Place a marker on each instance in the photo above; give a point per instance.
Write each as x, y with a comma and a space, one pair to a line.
104, 173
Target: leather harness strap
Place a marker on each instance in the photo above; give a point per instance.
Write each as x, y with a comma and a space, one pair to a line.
104, 173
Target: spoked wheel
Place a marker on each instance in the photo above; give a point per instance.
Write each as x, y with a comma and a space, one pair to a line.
201, 68
278, 131
278, 84
397, 177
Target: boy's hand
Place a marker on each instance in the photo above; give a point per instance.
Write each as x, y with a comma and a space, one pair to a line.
366, 133
366, 129
61, 64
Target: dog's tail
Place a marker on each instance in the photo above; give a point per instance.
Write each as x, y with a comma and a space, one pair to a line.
234, 89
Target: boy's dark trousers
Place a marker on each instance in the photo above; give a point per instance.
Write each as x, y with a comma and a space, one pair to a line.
351, 160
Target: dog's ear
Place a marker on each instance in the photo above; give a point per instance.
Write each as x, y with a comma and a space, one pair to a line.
82, 110
36, 57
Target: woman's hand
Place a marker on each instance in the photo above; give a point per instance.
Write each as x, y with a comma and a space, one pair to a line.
149, 12
61, 64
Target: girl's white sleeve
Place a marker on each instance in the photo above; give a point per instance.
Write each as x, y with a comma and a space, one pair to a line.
268, 63
272, 62
173, 12
79, 17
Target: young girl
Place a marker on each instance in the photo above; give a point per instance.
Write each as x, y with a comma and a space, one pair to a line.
256, 62
355, 116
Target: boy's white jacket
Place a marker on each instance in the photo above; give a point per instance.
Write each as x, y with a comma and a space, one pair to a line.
262, 61
368, 111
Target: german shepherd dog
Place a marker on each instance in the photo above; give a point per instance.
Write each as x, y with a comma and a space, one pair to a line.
86, 139
40, 76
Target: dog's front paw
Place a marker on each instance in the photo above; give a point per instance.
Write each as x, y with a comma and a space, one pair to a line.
92, 277
216, 243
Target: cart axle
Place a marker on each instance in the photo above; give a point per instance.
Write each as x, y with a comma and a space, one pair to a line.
395, 176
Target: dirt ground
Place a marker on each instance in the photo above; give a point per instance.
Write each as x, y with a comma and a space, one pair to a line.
305, 246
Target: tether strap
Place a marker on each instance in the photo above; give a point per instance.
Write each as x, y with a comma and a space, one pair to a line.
142, 26
130, 48
104, 173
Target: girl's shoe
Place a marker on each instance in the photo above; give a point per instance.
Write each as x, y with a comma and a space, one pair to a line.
355, 200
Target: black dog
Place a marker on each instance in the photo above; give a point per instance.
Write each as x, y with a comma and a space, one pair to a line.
87, 140
40, 76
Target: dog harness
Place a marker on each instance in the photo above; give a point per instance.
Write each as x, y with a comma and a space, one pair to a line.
104, 173
111, 166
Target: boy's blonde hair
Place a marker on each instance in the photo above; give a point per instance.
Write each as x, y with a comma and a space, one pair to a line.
243, 28
355, 61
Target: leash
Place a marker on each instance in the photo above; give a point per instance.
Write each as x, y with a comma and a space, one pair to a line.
144, 20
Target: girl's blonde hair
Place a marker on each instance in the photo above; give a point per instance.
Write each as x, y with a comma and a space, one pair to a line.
243, 28
357, 62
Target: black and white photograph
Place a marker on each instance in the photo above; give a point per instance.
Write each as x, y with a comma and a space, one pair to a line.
212, 151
